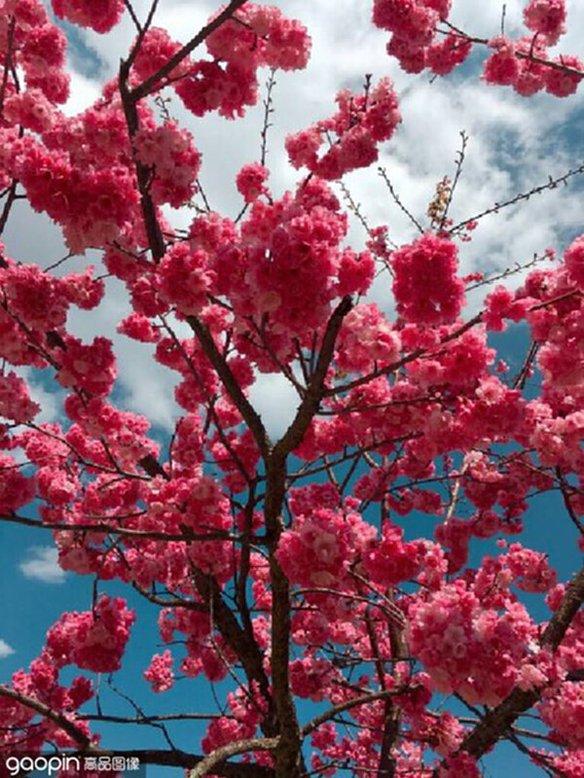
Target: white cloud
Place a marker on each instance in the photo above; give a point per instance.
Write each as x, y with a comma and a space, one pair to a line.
5, 649
42, 565
84, 92
276, 400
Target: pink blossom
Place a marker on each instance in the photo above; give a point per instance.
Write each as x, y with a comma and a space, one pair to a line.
93, 640
101, 16
251, 181
546, 17
425, 285
159, 672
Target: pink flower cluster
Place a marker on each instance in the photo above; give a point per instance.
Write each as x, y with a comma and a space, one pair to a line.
392, 561
261, 36
30, 109
417, 43
185, 279
40, 301
251, 181
15, 402
92, 204
310, 677
169, 152
367, 339
321, 545
414, 41
38, 47
160, 673
207, 652
99, 15
556, 318
15, 488
530, 569
547, 18
81, 170
89, 367
246, 707
156, 48
413, 20
501, 304
283, 267
522, 64
467, 647
93, 640
426, 287
574, 261
563, 711
360, 124
21, 733
138, 327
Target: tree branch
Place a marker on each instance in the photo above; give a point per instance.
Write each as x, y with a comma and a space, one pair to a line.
240, 643
58, 718
243, 405
151, 224
106, 529
364, 699
232, 749
314, 394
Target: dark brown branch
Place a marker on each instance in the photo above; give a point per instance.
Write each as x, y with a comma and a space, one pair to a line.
153, 467
238, 640
8, 63
106, 529
460, 158
364, 699
150, 719
552, 183
229, 381
288, 751
10, 200
383, 173
316, 389
268, 110
530, 56
132, 12
566, 489
143, 173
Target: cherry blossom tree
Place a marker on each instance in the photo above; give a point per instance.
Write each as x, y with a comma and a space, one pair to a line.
282, 566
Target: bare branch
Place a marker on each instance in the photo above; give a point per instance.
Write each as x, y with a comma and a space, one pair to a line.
552, 183
232, 749
383, 173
